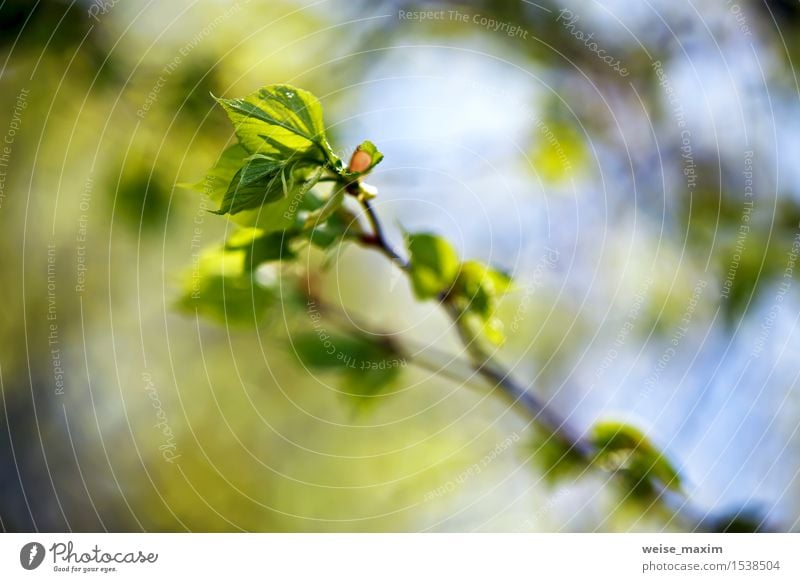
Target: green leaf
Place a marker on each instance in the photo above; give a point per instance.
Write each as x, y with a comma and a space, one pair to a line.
366, 365
218, 179
433, 265
241, 196
477, 327
218, 287
622, 447
493, 330
258, 167
240, 181
474, 285
332, 204
277, 120
371, 379
282, 214
557, 459
342, 224
242, 237
262, 247
481, 285
475, 293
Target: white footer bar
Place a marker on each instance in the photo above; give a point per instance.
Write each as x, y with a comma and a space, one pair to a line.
401, 557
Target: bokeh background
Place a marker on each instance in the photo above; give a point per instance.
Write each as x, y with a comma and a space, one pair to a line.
647, 204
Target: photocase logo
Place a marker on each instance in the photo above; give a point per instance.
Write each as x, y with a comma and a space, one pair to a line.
31, 555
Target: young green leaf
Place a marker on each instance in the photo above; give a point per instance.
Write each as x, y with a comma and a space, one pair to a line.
481, 285
262, 247
474, 286
625, 448
340, 225
433, 265
321, 215
366, 366
245, 195
556, 458
475, 293
257, 167
282, 214
219, 177
493, 330
219, 288
476, 326
277, 120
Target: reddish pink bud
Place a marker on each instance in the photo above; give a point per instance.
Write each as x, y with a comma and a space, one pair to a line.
360, 161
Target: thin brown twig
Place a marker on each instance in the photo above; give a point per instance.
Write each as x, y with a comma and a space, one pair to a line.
481, 362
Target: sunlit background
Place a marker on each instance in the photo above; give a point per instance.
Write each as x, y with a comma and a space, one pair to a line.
641, 184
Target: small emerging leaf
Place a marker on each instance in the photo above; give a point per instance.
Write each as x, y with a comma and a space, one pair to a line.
366, 366
246, 192
320, 216
557, 459
475, 292
218, 287
342, 224
494, 331
219, 177
433, 265
623, 447
491, 329
282, 214
262, 247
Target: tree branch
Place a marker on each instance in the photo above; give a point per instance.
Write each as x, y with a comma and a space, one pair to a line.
481, 362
